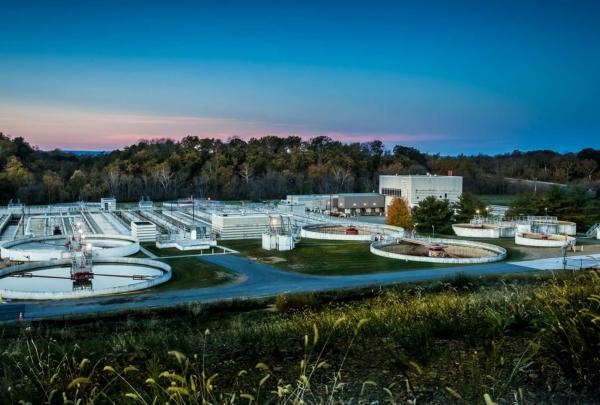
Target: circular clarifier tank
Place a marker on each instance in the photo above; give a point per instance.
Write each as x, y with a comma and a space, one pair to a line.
53, 280
354, 232
54, 247
436, 250
543, 240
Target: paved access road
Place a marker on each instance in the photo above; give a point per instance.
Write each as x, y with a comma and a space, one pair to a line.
255, 280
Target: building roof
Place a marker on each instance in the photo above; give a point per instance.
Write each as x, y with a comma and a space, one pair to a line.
420, 176
359, 194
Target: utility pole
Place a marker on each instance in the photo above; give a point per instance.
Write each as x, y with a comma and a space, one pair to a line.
23, 220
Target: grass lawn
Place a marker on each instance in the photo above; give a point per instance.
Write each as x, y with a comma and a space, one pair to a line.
322, 257
167, 252
191, 272
497, 199
139, 255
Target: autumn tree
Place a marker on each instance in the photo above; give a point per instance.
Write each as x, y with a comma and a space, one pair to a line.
399, 214
54, 185
76, 183
14, 176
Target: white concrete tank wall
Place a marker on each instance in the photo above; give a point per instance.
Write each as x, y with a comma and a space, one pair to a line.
49, 295
552, 241
496, 252
543, 227
367, 232
567, 228
507, 231
269, 242
309, 234
105, 246
470, 231
285, 242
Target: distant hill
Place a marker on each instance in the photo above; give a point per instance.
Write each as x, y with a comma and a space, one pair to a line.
86, 152
265, 168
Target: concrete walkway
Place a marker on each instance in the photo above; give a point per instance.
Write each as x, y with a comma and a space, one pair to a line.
256, 280
559, 263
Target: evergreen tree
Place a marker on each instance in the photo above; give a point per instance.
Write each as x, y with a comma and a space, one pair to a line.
433, 212
467, 206
399, 214
569, 204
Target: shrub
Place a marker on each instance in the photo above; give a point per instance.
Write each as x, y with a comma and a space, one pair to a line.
296, 302
571, 328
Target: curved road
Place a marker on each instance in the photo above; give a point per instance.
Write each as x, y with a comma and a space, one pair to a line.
255, 280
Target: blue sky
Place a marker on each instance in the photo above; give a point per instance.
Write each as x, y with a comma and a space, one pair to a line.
447, 77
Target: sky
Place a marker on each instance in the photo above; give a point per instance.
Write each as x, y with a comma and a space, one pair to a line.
446, 77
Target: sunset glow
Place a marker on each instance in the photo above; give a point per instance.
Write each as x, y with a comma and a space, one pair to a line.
79, 75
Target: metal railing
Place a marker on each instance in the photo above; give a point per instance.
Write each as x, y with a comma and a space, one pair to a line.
511, 221
581, 263
591, 233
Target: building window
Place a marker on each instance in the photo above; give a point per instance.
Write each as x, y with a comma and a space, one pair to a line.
391, 192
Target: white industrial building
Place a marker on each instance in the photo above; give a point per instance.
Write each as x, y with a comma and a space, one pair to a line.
144, 231
108, 204
244, 225
361, 203
415, 188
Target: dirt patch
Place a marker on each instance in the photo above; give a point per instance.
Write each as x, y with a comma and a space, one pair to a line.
273, 259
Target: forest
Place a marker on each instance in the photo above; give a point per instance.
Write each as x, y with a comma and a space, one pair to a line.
265, 168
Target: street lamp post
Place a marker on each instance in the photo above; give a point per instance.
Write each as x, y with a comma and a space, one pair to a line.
433, 231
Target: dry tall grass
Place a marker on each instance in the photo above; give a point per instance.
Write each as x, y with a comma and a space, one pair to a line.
556, 321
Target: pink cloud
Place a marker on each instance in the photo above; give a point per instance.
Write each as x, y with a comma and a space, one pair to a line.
49, 128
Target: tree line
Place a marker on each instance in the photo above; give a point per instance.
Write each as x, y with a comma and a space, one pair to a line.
263, 168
